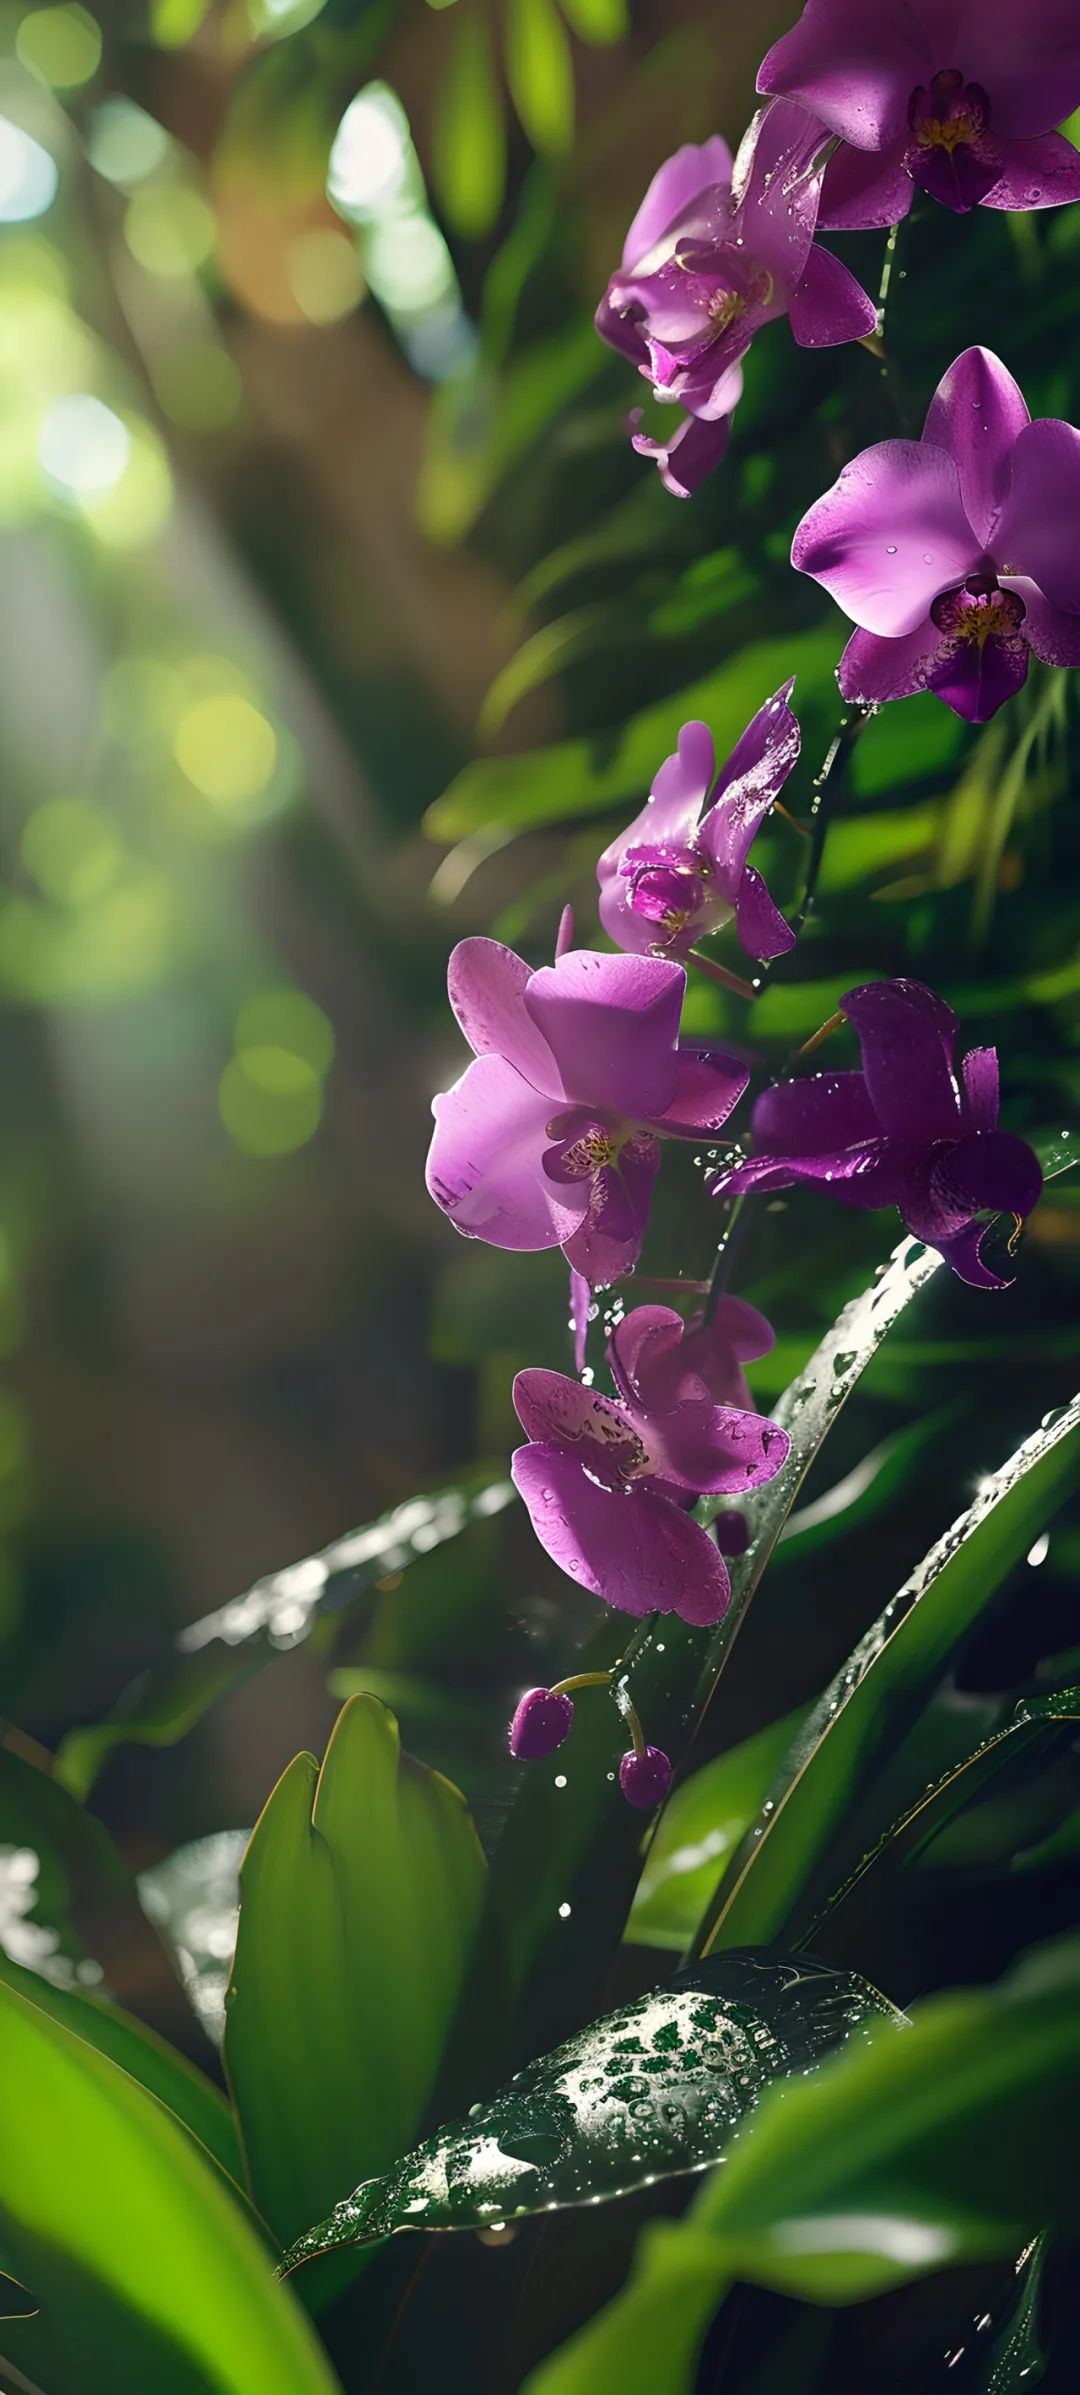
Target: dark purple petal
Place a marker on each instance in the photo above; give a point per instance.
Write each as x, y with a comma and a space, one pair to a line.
865, 190
608, 1242
1039, 532
907, 1036
709, 1083
1028, 61
541, 1723
696, 168
1036, 174
556, 1412
978, 413
991, 1169
889, 536
980, 1086
486, 985
983, 658
637, 1550
964, 1254
695, 447
862, 1176
761, 927
645, 1779
484, 1166
747, 788
611, 1023
621, 330
855, 65
827, 305
1050, 631
959, 178
716, 1448
644, 1353
822, 1113
777, 197
872, 670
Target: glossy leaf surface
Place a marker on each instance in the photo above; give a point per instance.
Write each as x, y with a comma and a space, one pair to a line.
146, 2272
654, 2090
699, 1828
360, 1892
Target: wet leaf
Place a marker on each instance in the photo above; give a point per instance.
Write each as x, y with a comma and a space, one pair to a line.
699, 1828
360, 1891
655, 2090
771, 1884
468, 135
899, 2156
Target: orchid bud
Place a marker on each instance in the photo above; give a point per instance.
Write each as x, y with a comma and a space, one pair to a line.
541, 1723
645, 1779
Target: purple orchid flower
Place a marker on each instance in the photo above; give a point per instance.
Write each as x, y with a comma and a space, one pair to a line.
905, 1131
714, 252
681, 869
550, 1138
608, 1482
957, 555
958, 97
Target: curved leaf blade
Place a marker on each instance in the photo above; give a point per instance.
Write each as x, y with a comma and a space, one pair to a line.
655, 2090
146, 2272
700, 1828
468, 135
540, 72
360, 1891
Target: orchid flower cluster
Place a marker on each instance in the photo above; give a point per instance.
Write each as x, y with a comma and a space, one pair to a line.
956, 557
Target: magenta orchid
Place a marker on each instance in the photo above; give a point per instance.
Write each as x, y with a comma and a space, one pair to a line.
908, 1130
681, 870
608, 1482
956, 97
715, 252
958, 556
550, 1137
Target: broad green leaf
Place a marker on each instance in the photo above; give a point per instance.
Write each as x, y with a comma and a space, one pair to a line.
1016, 2363
598, 21
360, 1892
468, 134
770, 1886
579, 777
700, 1827
899, 2156
185, 2091
540, 72
654, 2090
210, 1656
147, 2274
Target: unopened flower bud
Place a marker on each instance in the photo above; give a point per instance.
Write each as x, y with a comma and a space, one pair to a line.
541, 1723
645, 1779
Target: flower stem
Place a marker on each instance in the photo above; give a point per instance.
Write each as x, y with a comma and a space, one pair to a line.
719, 973
583, 1680
825, 1032
630, 1715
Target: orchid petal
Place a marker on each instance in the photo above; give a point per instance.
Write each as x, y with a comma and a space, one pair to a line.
674, 187
717, 1449
1039, 532
558, 1412
777, 197
611, 1023
762, 929
854, 65
981, 1092
907, 1036
709, 1084
749, 784
486, 985
608, 1241
828, 306
1029, 65
484, 1166
977, 414
872, 670
636, 1550
866, 190
697, 445
889, 536
1036, 174
1051, 632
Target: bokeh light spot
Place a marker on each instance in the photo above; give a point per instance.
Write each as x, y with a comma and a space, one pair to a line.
72, 849
124, 144
325, 274
409, 263
137, 507
268, 1120
228, 751
199, 386
284, 1019
371, 161
28, 176
82, 446
169, 230
61, 46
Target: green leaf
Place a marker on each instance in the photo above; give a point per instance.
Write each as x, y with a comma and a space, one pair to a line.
1016, 2363
699, 1828
582, 776
654, 2090
213, 1655
185, 2091
770, 1887
468, 134
147, 2273
901, 2155
360, 1892
540, 72
597, 21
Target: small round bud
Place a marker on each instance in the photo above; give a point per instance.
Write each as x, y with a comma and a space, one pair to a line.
731, 1530
645, 1779
542, 1721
